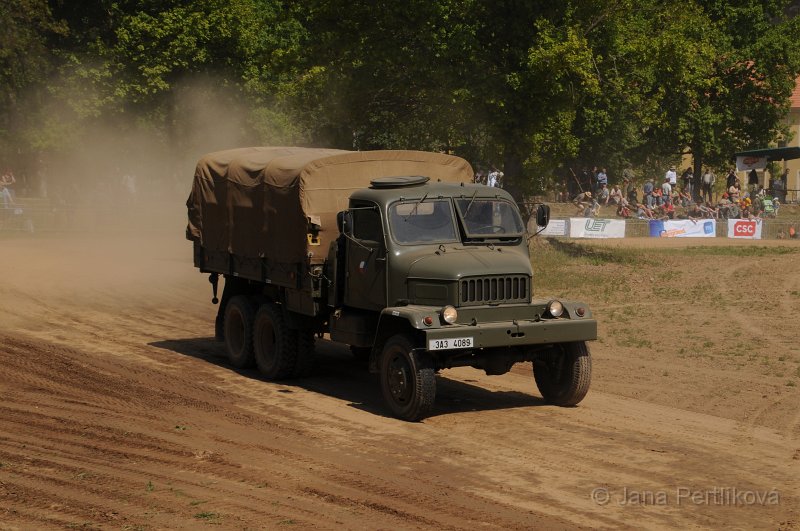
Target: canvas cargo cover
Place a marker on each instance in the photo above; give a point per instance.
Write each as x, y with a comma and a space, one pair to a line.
258, 202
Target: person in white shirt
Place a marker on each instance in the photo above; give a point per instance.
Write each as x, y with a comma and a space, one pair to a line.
671, 176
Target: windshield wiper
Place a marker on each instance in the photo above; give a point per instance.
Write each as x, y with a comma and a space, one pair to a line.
469, 205
414, 210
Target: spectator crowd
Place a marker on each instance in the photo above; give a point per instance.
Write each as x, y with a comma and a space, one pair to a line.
673, 197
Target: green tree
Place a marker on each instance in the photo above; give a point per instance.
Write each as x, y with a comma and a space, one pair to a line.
26, 61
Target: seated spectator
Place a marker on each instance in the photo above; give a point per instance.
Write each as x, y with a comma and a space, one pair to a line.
582, 201
668, 210
604, 194
7, 182
615, 197
734, 192
643, 212
694, 211
709, 211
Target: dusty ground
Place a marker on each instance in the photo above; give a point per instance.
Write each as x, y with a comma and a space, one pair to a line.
120, 412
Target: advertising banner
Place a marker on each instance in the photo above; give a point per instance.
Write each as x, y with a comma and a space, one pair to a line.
750, 163
749, 229
683, 228
596, 228
556, 227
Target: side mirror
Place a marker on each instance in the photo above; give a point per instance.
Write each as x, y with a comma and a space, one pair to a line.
344, 221
543, 215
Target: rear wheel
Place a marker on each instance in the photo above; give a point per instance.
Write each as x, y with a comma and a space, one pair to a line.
275, 345
238, 328
409, 387
563, 374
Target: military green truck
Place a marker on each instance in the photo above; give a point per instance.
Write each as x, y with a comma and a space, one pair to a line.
394, 253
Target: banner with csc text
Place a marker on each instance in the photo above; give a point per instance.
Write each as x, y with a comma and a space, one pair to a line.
744, 228
596, 228
683, 228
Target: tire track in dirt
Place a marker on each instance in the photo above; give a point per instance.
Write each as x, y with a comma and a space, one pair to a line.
134, 394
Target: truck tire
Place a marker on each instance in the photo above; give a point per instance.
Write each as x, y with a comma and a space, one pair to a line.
409, 387
563, 375
304, 361
238, 326
274, 344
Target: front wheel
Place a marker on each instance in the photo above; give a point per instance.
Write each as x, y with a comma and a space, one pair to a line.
408, 386
564, 373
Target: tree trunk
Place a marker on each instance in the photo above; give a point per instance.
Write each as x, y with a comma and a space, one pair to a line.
512, 180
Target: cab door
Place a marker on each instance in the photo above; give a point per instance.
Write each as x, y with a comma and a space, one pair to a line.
366, 258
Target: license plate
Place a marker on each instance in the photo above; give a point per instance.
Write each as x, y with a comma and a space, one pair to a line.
451, 343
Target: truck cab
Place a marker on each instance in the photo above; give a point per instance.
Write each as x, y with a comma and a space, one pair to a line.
438, 275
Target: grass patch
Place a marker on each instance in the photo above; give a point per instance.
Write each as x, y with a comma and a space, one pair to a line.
209, 516
600, 256
734, 250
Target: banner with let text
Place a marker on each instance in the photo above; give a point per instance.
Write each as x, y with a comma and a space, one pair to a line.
596, 228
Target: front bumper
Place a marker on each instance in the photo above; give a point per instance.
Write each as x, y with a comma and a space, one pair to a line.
517, 333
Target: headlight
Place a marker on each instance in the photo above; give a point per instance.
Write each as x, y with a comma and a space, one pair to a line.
449, 314
555, 308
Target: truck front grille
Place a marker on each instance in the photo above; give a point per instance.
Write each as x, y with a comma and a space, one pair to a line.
494, 290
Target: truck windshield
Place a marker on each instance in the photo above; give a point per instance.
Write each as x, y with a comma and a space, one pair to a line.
422, 222
489, 218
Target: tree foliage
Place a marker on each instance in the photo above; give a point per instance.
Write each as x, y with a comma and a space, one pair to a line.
524, 86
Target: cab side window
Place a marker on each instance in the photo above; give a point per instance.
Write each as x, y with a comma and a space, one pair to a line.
367, 223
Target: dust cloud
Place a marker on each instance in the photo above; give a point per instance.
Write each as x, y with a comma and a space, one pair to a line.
107, 211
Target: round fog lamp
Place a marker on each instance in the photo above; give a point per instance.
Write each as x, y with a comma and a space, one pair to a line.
555, 308
449, 314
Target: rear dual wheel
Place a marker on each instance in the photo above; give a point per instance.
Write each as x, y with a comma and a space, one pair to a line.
281, 352
238, 328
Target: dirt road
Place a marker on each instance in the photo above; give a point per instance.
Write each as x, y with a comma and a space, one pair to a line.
120, 412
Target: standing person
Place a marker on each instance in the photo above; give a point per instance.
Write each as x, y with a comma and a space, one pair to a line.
630, 187
752, 180
708, 184
730, 179
602, 179
671, 176
586, 180
7, 181
666, 190
648, 192
688, 181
